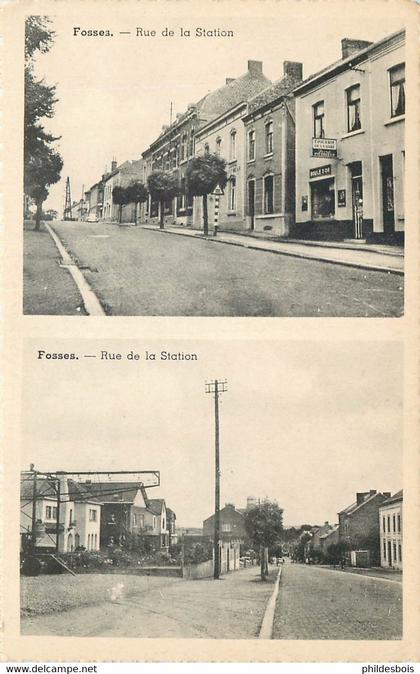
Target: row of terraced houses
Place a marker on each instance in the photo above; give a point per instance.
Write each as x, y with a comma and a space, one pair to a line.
315, 158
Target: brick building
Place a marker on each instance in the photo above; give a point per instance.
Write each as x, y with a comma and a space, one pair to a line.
176, 144
391, 531
270, 155
350, 151
232, 524
359, 523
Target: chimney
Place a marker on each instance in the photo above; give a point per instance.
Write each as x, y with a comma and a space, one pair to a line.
387, 494
255, 67
165, 127
360, 496
326, 524
350, 46
293, 69
229, 80
251, 502
113, 165
372, 492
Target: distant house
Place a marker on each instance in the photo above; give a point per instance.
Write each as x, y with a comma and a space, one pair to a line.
120, 176
391, 531
232, 524
359, 523
324, 536
74, 513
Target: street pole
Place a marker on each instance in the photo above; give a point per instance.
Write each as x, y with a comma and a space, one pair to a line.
216, 387
34, 495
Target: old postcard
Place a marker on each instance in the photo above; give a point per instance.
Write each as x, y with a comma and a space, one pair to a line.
211, 336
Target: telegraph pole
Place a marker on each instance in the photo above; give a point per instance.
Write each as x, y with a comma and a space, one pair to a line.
216, 387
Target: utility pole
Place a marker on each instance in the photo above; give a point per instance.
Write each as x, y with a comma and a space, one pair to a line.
34, 497
216, 387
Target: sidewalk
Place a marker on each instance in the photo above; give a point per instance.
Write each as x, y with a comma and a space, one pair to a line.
364, 256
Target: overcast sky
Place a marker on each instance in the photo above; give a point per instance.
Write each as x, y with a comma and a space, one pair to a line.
306, 423
115, 93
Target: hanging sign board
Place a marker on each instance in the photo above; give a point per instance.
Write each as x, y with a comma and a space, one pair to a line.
324, 147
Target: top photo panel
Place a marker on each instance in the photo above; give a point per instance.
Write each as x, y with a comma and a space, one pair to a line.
239, 168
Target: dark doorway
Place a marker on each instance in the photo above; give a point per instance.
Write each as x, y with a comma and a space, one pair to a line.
251, 203
387, 179
389, 553
357, 198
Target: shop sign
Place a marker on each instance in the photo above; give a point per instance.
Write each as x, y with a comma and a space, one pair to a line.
324, 147
320, 171
341, 197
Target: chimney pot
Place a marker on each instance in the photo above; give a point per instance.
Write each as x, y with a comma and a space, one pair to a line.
350, 46
293, 69
229, 80
113, 165
255, 67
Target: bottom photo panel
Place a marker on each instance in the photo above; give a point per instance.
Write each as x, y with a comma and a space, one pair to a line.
212, 489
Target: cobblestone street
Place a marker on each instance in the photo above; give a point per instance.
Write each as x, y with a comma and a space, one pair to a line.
317, 603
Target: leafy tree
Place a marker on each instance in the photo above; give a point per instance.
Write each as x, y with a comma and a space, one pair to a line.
42, 164
120, 196
202, 176
42, 170
137, 194
162, 186
264, 526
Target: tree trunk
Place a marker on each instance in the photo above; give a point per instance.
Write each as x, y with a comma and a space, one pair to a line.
264, 562
135, 212
205, 216
161, 213
120, 214
38, 216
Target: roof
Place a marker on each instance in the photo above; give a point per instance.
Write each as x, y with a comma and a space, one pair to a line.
77, 491
279, 89
398, 496
343, 64
133, 166
110, 492
156, 505
332, 530
355, 506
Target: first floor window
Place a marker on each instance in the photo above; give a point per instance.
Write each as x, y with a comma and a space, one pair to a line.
269, 194
232, 193
318, 120
269, 138
232, 152
92, 515
322, 199
399, 523
397, 83
353, 108
251, 145
226, 527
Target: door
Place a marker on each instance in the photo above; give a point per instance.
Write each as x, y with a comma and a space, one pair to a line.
251, 203
387, 178
357, 203
389, 553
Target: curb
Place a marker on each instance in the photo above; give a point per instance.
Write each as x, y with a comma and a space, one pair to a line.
344, 263
266, 630
91, 303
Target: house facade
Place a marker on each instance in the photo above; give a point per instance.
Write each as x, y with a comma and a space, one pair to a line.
120, 176
232, 524
176, 145
269, 194
359, 523
350, 150
96, 198
67, 509
391, 531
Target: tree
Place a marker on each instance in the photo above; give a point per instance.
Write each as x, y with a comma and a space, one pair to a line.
42, 164
264, 526
42, 170
137, 194
162, 186
120, 196
202, 176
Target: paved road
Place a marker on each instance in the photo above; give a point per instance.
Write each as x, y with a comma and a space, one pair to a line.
138, 272
316, 603
232, 607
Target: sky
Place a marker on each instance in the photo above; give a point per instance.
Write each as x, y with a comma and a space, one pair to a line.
307, 423
115, 93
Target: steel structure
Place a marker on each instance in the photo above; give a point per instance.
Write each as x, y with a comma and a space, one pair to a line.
67, 203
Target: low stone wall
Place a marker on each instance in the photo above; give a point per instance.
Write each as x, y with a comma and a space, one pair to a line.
196, 571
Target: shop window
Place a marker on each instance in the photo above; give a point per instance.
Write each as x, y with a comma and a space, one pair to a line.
397, 84
353, 108
319, 120
269, 138
251, 145
232, 193
232, 152
269, 194
323, 199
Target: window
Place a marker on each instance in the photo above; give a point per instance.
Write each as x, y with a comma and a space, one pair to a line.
141, 521
323, 199
399, 523
191, 144
232, 151
394, 549
51, 512
384, 544
226, 527
399, 553
92, 515
218, 146
183, 146
389, 524
251, 146
206, 149
319, 122
134, 520
397, 84
269, 138
383, 524
232, 193
353, 108
268, 194
71, 516
394, 526
174, 157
